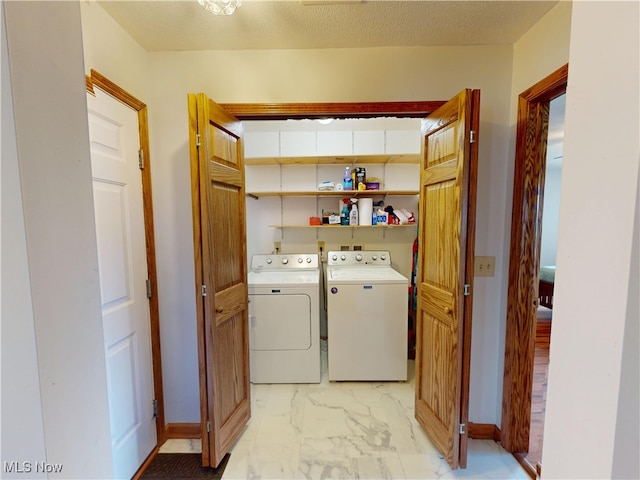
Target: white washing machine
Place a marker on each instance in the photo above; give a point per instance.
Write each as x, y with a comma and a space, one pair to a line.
367, 306
284, 318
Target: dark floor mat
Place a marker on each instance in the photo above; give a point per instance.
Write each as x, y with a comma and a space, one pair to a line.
182, 466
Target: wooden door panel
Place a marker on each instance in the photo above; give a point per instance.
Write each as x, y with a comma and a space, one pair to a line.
231, 302
444, 312
221, 275
438, 398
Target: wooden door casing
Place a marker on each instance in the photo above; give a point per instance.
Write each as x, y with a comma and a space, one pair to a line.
524, 262
221, 287
446, 242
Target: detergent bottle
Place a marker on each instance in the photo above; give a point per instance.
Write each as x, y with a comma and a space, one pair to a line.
347, 182
344, 214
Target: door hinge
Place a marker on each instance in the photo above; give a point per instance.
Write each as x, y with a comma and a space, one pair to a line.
198, 140
467, 289
472, 138
208, 426
461, 429
204, 290
148, 288
155, 408
141, 159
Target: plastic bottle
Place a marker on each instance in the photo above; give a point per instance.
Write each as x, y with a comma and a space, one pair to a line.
347, 181
353, 216
344, 214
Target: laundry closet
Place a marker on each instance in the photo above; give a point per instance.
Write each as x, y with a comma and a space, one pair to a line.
294, 172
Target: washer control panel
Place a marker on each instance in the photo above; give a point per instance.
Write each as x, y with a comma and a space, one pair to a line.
288, 261
359, 257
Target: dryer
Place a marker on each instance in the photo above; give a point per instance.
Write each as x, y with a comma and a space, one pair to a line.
367, 307
284, 318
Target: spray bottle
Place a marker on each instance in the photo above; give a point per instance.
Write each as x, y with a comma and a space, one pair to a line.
353, 216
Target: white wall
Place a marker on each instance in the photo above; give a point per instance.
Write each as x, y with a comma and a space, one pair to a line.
22, 424
550, 215
589, 386
51, 134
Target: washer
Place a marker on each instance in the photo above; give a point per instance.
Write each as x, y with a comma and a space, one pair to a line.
284, 318
366, 317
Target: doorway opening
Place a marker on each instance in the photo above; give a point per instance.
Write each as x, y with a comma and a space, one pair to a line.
526, 291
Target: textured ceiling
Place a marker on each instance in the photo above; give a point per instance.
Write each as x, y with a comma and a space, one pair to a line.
166, 25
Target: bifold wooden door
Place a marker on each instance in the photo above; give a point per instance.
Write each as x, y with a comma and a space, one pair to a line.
218, 196
445, 281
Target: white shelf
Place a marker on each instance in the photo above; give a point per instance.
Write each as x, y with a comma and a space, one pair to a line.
336, 160
333, 193
346, 226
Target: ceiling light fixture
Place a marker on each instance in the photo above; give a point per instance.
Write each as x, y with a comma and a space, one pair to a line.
220, 7
324, 121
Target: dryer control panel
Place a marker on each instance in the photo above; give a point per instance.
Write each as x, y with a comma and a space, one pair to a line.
359, 257
289, 261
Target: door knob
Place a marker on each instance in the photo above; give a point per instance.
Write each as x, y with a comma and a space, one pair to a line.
448, 310
219, 309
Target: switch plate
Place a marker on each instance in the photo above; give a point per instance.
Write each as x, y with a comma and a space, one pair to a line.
320, 245
484, 266
277, 246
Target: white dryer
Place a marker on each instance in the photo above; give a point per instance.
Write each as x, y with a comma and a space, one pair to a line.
367, 306
284, 318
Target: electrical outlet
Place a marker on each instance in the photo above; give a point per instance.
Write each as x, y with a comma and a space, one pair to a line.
344, 248
357, 247
484, 266
277, 246
320, 245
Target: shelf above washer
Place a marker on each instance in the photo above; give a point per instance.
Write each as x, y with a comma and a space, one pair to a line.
333, 193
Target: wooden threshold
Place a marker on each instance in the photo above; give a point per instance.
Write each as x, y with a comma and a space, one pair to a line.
182, 430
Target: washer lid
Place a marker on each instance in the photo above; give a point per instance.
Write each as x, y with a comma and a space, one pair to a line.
288, 277
365, 275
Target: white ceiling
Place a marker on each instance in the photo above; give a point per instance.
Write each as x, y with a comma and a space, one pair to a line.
166, 25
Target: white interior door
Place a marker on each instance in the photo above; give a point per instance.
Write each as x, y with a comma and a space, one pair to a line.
117, 192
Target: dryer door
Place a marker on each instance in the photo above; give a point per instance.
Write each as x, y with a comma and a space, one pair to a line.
280, 321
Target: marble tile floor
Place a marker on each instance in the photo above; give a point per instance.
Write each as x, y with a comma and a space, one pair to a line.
345, 430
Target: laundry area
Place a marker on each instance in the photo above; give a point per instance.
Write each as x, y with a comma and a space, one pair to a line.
331, 215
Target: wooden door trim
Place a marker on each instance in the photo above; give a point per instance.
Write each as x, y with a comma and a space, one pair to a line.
526, 221
95, 79
282, 111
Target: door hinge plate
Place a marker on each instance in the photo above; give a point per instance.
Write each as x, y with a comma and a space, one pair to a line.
203, 289
141, 159
198, 140
467, 289
155, 408
461, 429
208, 426
148, 288
472, 136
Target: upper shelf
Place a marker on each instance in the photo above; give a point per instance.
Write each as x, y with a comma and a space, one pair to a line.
333, 193
336, 160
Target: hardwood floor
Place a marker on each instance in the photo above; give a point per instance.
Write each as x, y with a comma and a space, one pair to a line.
539, 396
